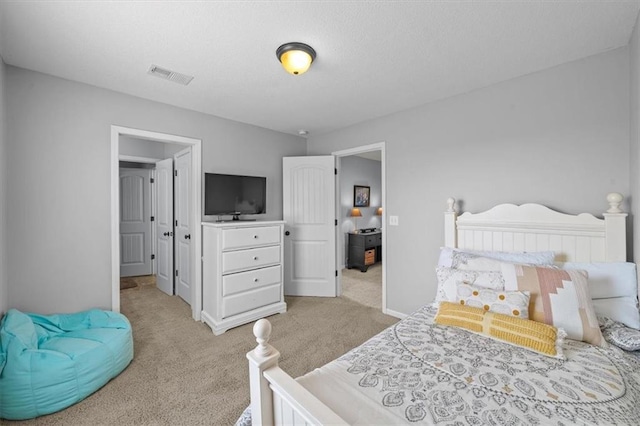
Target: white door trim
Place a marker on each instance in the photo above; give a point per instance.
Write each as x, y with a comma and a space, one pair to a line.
380, 146
196, 209
136, 159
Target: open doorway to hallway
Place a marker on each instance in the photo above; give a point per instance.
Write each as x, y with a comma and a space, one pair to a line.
361, 225
175, 225
149, 250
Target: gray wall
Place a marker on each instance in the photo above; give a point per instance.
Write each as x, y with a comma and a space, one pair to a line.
358, 171
4, 285
634, 135
559, 137
59, 210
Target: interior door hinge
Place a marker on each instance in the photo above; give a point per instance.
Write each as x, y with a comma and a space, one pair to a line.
175, 173
336, 222
176, 223
153, 218
153, 256
153, 180
335, 171
336, 272
176, 272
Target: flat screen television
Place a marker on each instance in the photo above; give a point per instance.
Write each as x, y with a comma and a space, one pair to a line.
234, 195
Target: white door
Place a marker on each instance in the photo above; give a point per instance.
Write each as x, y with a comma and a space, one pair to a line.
309, 215
164, 225
135, 222
182, 217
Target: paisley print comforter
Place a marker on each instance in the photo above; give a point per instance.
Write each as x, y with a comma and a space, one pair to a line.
420, 372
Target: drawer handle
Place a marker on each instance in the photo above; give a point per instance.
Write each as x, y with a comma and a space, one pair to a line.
255, 280
255, 257
255, 237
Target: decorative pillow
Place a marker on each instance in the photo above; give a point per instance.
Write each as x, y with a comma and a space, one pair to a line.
535, 336
619, 335
512, 303
614, 290
453, 257
625, 338
558, 297
448, 280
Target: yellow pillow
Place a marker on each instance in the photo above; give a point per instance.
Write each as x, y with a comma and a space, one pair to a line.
535, 336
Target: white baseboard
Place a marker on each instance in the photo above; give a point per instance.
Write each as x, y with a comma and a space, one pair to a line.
395, 314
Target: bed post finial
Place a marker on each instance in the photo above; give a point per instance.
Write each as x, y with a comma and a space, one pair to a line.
614, 199
451, 204
615, 230
262, 331
450, 216
262, 358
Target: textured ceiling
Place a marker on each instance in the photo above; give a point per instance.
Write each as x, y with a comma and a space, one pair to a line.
374, 57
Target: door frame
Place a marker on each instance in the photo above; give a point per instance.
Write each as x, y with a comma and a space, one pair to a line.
196, 209
379, 146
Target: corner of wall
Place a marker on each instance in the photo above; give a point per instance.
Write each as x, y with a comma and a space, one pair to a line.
634, 140
4, 285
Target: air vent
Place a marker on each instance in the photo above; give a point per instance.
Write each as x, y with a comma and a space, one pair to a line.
166, 74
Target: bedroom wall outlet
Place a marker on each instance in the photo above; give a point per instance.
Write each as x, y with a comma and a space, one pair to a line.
393, 220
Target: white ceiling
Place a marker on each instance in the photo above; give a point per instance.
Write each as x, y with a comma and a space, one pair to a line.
374, 57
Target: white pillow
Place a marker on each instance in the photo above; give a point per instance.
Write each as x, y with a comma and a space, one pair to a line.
453, 257
448, 280
614, 290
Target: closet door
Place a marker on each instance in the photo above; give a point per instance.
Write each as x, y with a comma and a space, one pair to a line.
164, 181
135, 222
183, 225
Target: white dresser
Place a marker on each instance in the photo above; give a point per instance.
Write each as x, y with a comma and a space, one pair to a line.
241, 272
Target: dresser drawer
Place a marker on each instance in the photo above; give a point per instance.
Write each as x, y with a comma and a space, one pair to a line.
242, 260
372, 240
250, 237
249, 300
244, 281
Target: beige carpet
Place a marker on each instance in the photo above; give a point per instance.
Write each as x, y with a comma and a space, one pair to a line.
364, 287
184, 375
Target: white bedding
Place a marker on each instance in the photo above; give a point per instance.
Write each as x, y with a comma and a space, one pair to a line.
417, 371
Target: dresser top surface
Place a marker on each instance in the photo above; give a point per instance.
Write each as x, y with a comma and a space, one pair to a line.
366, 233
242, 223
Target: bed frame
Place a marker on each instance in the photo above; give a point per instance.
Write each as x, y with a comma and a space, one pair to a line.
277, 399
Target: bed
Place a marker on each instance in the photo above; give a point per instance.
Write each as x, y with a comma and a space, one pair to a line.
422, 370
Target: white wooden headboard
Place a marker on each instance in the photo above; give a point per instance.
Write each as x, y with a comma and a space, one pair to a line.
533, 227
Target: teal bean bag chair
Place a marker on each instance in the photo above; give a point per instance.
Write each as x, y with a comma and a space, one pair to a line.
48, 363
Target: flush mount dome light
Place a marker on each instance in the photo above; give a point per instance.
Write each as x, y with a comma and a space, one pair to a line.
296, 58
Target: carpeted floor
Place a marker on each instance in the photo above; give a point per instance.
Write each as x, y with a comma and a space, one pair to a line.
131, 282
363, 287
183, 374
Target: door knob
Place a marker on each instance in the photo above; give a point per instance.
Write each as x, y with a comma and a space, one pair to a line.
166, 234
287, 233
187, 237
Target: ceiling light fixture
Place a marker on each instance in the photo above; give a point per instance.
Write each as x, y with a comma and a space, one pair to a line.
296, 58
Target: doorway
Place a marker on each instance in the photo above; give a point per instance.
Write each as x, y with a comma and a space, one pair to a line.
366, 279
191, 185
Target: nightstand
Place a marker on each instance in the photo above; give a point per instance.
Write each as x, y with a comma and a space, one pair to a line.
365, 249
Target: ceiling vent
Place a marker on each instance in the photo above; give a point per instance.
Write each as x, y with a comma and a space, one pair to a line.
166, 74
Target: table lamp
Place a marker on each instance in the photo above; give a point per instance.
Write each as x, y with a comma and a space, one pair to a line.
355, 212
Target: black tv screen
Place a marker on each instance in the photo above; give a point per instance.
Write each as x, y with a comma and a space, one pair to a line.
234, 195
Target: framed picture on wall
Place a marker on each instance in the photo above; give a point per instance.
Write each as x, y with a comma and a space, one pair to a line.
361, 196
